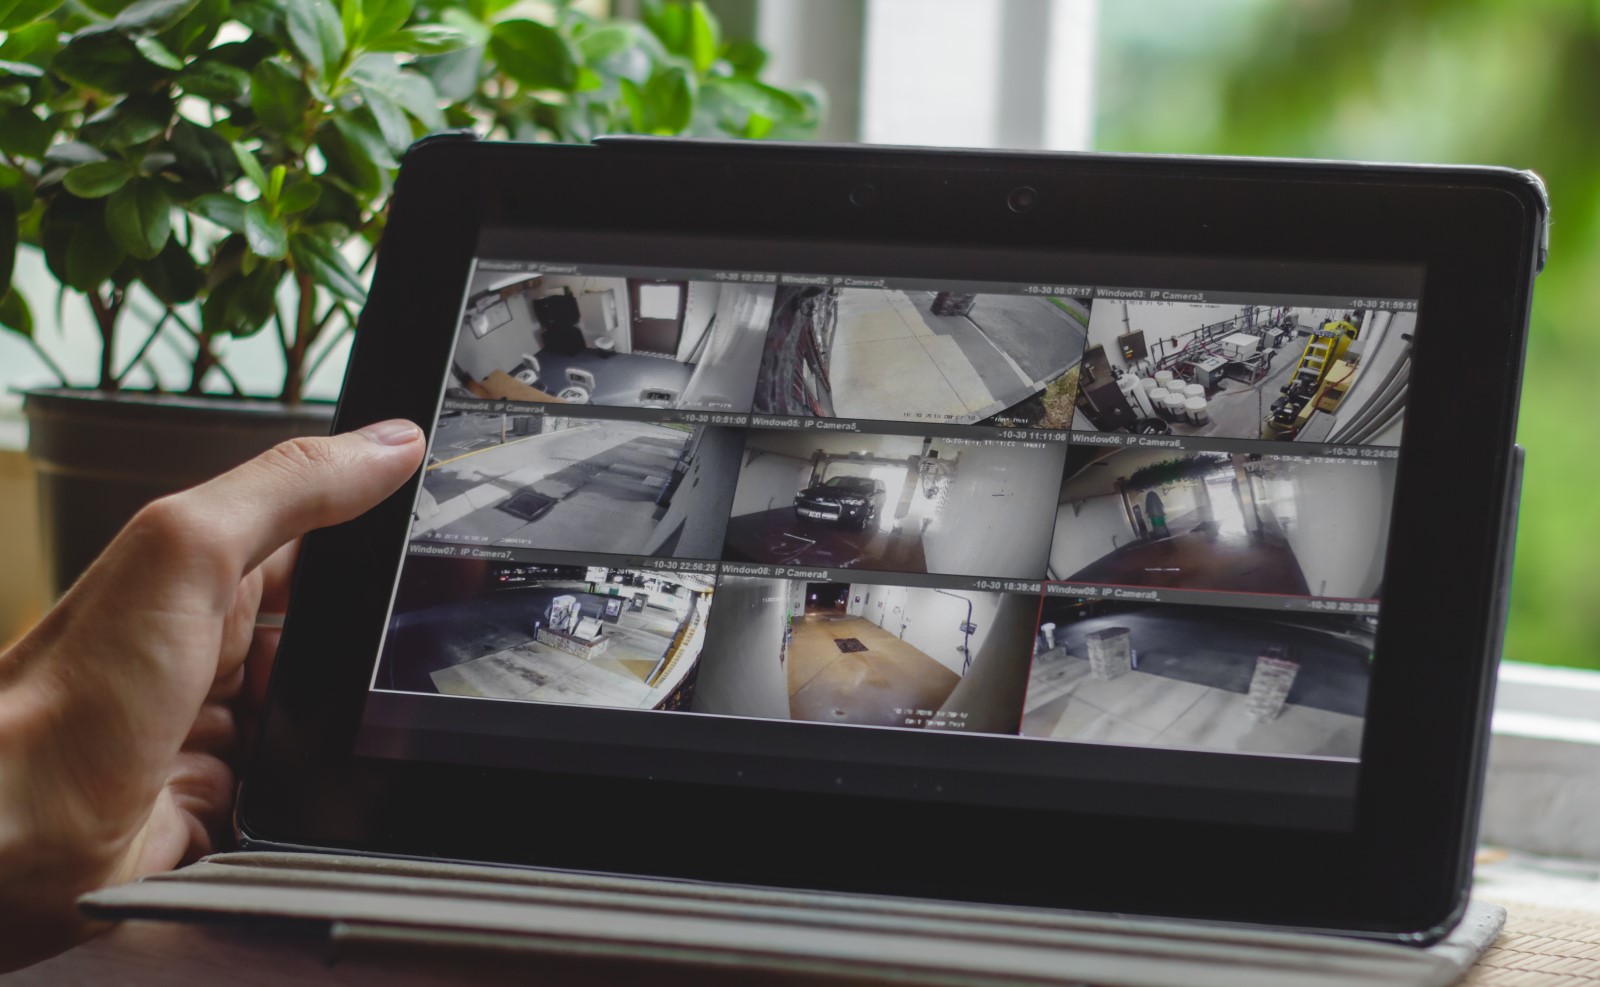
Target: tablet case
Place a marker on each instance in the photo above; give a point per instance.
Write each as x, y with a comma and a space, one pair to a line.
502, 919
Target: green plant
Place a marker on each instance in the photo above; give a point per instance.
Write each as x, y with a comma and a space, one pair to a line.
212, 169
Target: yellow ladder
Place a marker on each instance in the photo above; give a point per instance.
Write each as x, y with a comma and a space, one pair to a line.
1326, 345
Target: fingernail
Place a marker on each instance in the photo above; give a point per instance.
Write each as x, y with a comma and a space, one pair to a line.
395, 432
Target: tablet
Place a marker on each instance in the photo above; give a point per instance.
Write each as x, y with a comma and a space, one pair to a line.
1092, 532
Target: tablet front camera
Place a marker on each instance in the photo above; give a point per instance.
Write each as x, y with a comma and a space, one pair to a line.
1022, 199
864, 196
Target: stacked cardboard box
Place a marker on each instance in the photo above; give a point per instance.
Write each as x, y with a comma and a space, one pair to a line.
1269, 687
1110, 652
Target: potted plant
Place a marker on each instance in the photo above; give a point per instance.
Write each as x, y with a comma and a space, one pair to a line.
195, 172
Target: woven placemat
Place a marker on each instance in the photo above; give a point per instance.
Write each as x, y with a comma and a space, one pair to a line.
1542, 947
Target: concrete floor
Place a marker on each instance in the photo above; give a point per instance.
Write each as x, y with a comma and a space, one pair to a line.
1217, 647
892, 358
827, 685
1200, 556
486, 648
1154, 707
457, 435
1139, 708
1191, 686
779, 537
619, 378
606, 477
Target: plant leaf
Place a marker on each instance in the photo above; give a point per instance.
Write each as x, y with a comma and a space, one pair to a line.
705, 36
746, 57
670, 23
638, 106
534, 54
139, 218
150, 16
133, 120
670, 94
34, 44
416, 96
421, 39
599, 45
157, 53
316, 31
202, 156
351, 17
14, 186
24, 12
278, 96
105, 60
20, 70
172, 275
318, 257
391, 119
214, 80
15, 315
252, 167
266, 234
84, 256
241, 304
384, 17
220, 208
8, 241
299, 197
97, 179
24, 134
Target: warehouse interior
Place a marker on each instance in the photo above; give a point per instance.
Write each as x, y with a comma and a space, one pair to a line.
620, 342
1190, 677
577, 484
867, 654
950, 508
1223, 521
584, 635
892, 355
1252, 371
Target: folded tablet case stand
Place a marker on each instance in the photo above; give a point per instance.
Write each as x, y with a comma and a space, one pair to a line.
488, 920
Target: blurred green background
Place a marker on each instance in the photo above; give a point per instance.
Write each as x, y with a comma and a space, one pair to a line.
1505, 82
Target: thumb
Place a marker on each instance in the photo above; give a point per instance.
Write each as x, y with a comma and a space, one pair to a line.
129, 654
243, 516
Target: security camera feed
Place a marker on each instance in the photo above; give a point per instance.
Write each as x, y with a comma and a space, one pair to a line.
940, 356
1246, 372
1215, 678
902, 503
621, 342
589, 636
868, 655
577, 484
1223, 521
1036, 524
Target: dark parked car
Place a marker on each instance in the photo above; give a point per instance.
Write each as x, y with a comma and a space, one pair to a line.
845, 500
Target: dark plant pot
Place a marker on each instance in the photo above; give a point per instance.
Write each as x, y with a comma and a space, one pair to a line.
100, 456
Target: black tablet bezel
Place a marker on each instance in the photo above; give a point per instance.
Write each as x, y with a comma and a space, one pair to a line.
1402, 871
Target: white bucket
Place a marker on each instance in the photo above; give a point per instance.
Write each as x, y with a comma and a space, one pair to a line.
1158, 399
1194, 391
1195, 410
1164, 379
1176, 409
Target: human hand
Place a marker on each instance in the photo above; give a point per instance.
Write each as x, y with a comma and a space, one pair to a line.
118, 711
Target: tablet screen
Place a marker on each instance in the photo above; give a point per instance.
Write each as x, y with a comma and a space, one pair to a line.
1031, 532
